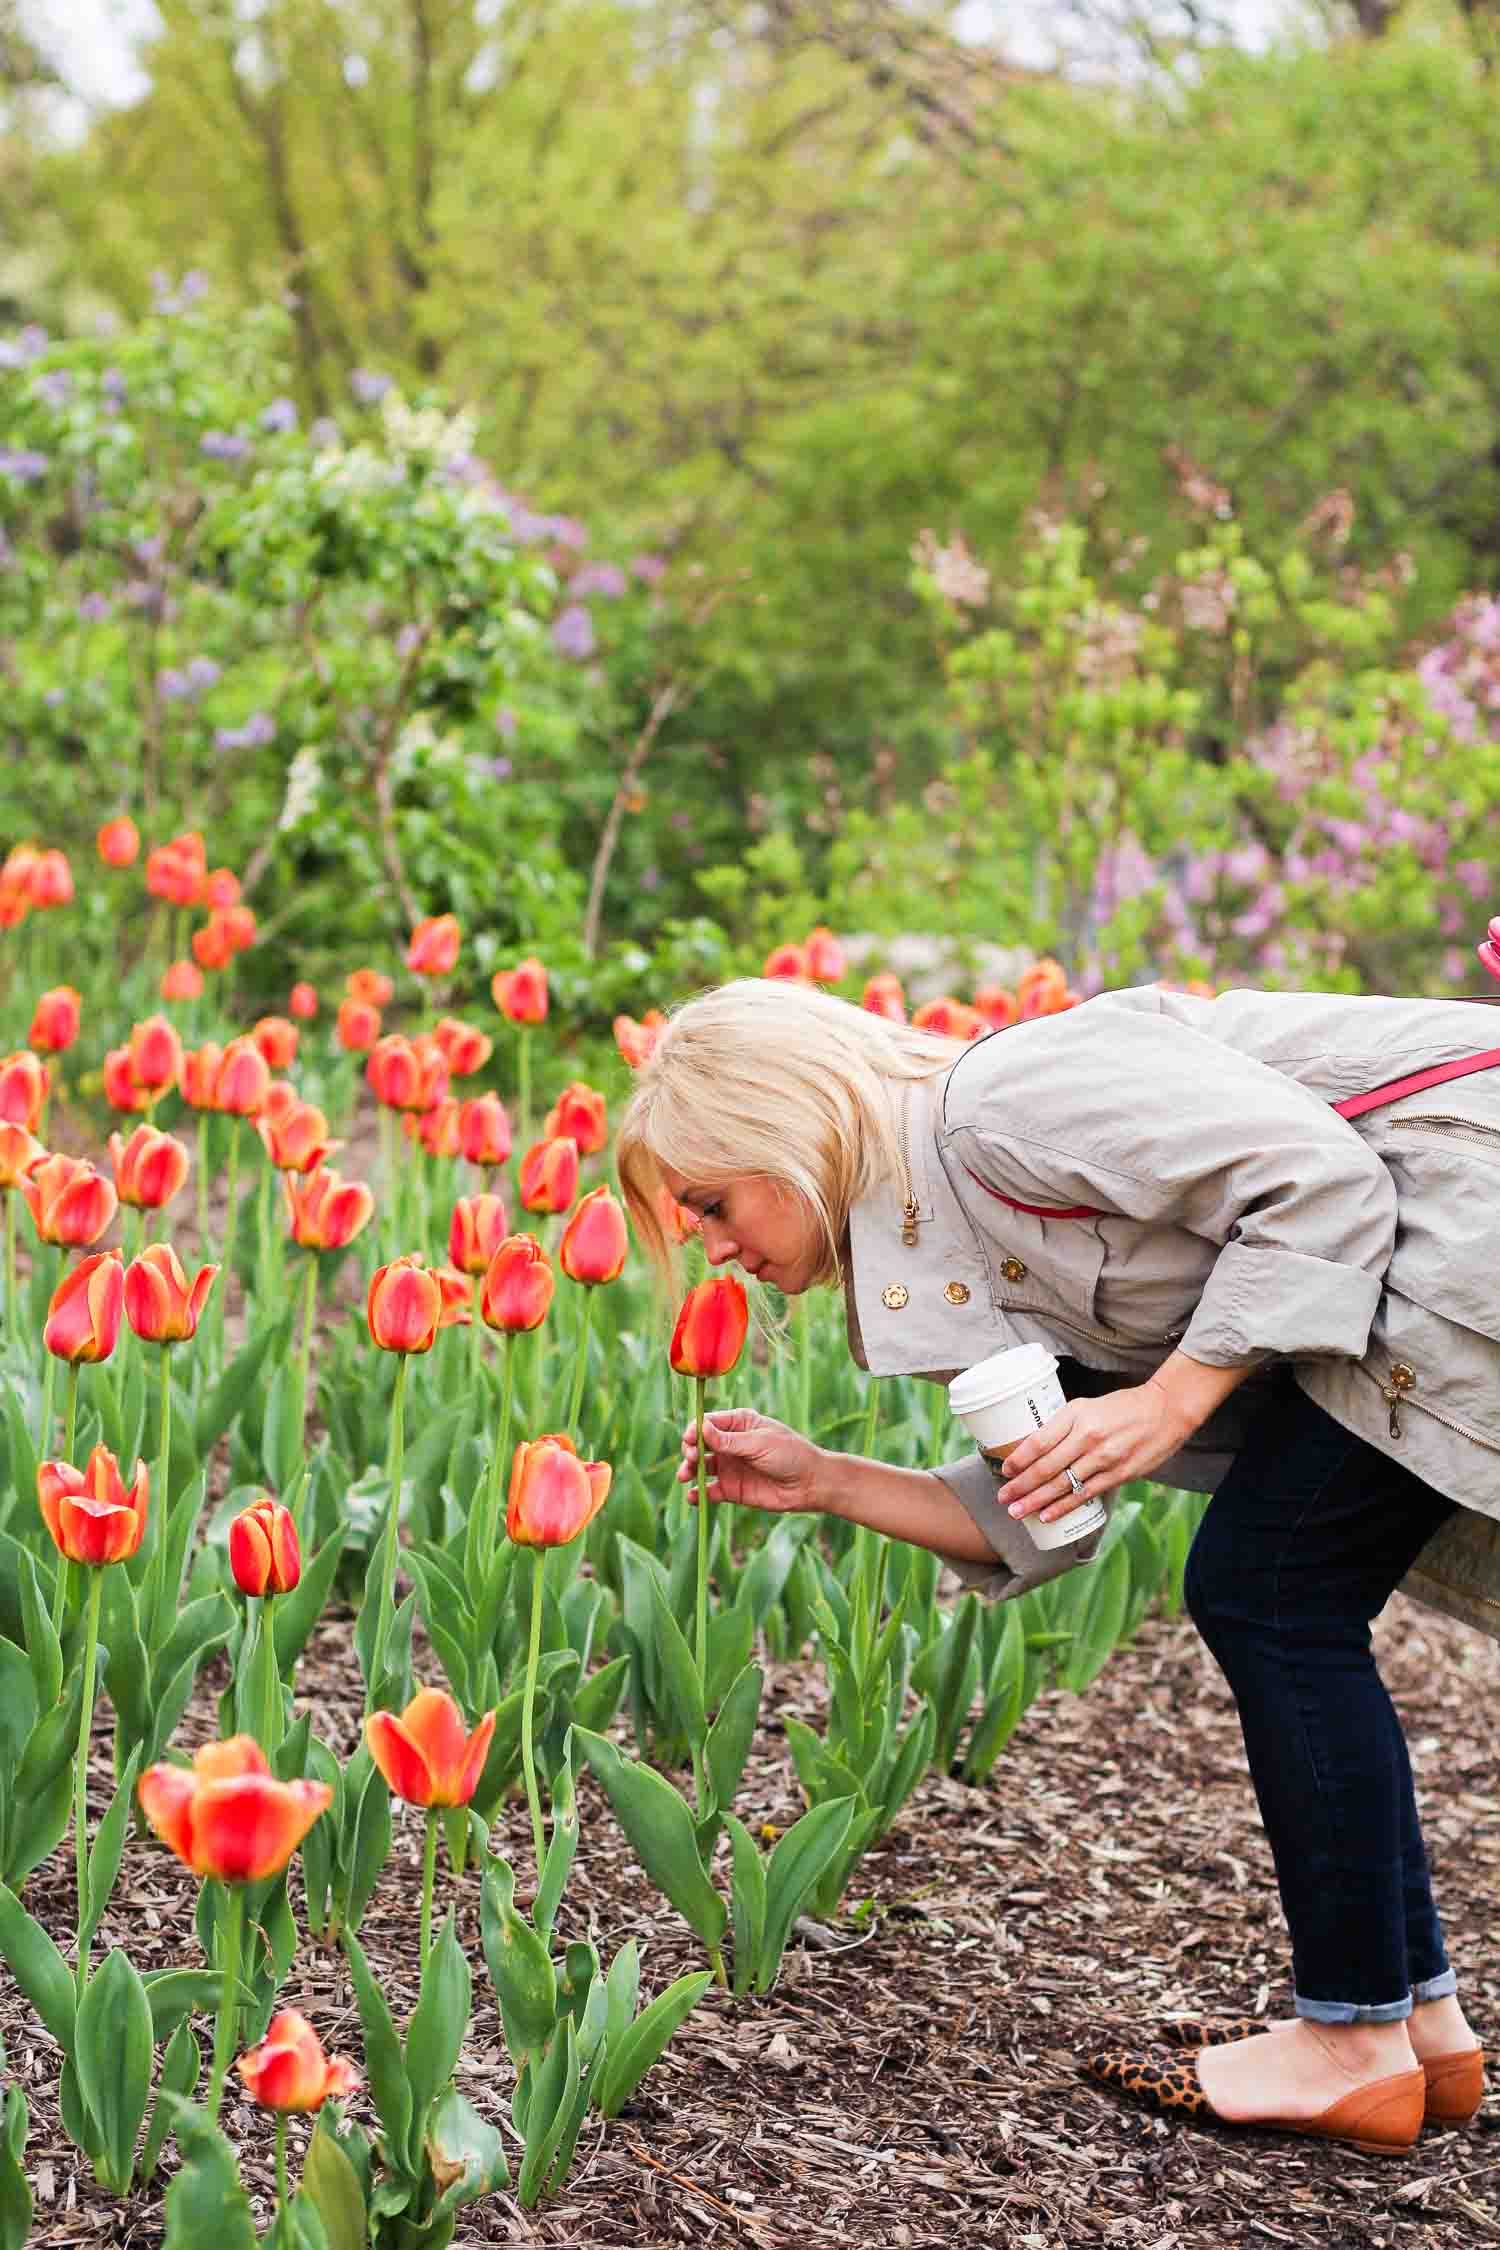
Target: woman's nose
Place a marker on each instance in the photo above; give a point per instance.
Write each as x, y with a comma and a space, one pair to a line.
718, 1242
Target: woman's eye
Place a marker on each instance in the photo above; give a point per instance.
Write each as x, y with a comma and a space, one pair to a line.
712, 1211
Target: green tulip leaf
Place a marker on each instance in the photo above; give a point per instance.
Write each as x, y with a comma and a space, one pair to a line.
630, 2055
436, 2032
660, 1828
791, 1873
520, 1966
38, 1968
332, 2183
206, 2202
384, 2065
747, 1897
113, 2054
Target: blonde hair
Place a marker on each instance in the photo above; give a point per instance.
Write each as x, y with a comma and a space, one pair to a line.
770, 1079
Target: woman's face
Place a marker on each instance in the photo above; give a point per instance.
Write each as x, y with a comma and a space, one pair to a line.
765, 1228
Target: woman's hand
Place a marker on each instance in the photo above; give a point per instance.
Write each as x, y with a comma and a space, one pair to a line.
752, 1460
1105, 1442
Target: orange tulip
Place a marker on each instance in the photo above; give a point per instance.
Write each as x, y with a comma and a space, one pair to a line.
578, 1114
549, 1175
788, 962
296, 1137
160, 1304
434, 946
265, 1555
289, 2071
326, 1212
432, 1065
404, 1308
553, 1495
997, 1006
181, 980
213, 945
176, 871
357, 1026
91, 1516
637, 1041
239, 927
83, 1319
276, 1037
51, 880
198, 1079
948, 1017
71, 1203
1042, 989
427, 1756
281, 1099
150, 1168
118, 841
369, 985
226, 1817
13, 907
883, 997
122, 1089
20, 1154
476, 1232
465, 1047
437, 1128
456, 1297
710, 1331
595, 1240
484, 1130
244, 1080
155, 1054
23, 1089
521, 993
679, 1220
54, 1025
826, 958
518, 1286
221, 890
303, 1002
394, 1073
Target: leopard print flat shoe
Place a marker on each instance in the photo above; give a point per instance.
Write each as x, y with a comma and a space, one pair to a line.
1381, 2119
1209, 2031
1455, 2083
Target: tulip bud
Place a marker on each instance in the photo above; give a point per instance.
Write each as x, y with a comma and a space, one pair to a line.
83, 1319
394, 1073
427, 1756
1041, 989
997, 1006
51, 879
295, 1139
710, 1331
155, 1054
90, 1514
579, 1115
227, 1817
181, 980
198, 1079
434, 946
239, 927
326, 1212
221, 890
357, 1026
476, 1232
549, 1176
404, 1307
213, 945
826, 958
521, 993
122, 1089
553, 1495
456, 1297
23, 1089
484, 1130
118, 842
883, 997
276, 1038
20, 1154
432, 1064
437, 1128
244, 1080
264, 1553
465, 1047
150, 1168
289, 2072
303, 1002
281, 1099
176, 871
518, 1286
948, 1017
160, 1304
679, 1220
788, 962
637, 1041
595, 1240
71, 1203
54, 1025
371, 986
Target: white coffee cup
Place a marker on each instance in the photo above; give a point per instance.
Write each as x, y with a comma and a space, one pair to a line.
1006, 1398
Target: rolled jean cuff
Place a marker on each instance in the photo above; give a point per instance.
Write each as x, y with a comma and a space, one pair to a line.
1352, 2011
1436, 1988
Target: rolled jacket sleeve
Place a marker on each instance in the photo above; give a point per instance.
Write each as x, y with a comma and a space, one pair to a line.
1020, 1564
1140, 1116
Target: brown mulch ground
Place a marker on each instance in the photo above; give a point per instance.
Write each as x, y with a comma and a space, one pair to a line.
920, 2086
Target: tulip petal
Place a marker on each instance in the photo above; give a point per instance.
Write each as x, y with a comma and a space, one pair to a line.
399, 1759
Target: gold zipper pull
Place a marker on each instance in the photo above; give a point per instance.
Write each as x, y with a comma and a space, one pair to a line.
1402, 1379
909, 1222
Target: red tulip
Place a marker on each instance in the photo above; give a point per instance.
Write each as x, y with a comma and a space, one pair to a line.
176, 871
950, 1018
404, 1307
71, 1203
679, 1220
1042, 989
244, 1080
54, 1025
181, 980
281, 1099
221, 890
465, 1047
518, 1286
160, 1304
122, 1089
710, 1331
553, 1495
476, 1232
1488, 947
426, 1755
484, 1130
637, 1041
358, 1026
326, 1212
51, 879
20, 1154
23, 1089
303, 1002
150, 1168
276, 1037
90, 1514
456, 1297
289, 2071
118, 842
13, 906
788, 962
370, 986
264, 1553
213, 945
883, 997
549, 1176
595, 1240
434, 946
437, 1128
226, 1817
997, 1006
826, 958
198, 1079
296, 1139
521, 993
239, 927
83, 1319
432, 1064
578, 1114
394, 1073
155, 1054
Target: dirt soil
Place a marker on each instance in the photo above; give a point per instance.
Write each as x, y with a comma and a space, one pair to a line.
914, 2078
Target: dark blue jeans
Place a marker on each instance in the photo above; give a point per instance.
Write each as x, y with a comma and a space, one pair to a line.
1303, 1541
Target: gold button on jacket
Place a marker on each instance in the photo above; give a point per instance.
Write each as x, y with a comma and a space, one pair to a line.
957, 1292
1014, 1270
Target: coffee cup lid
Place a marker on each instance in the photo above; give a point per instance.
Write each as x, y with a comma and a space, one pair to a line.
999, 1375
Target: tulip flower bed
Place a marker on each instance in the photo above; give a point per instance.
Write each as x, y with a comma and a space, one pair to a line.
439, 1402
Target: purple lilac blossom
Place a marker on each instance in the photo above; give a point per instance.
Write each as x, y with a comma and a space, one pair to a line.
368, 387
94, 608
53, 698
505, 722
324, 432
20, 351
223, 445
112, 383
1455, 965
203, 674
604, 578
649, 569
1475, 875
26, 467
56, 386
1451, 917
407, 640
280, 415
500, 769
573, 632
172, 685
257, 731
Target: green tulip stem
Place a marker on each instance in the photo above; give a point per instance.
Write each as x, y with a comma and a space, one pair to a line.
392, 1526
282, 2193
70, 1424
270, 1680
44, 1447
700, 1385
804, 1365
81, 1763
224, 2029
524, 1078
12, 1323
226, 1255
498, 1459
580, 1364
203, 1183
309, 1314
156, 1606
528, 1711
134, 1232
476, 1331
263, 1232
60, 1594
429, 1869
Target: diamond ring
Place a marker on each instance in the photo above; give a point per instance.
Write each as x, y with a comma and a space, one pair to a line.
1075, 1482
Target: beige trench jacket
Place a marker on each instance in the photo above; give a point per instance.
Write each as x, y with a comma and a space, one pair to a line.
1244, 1222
